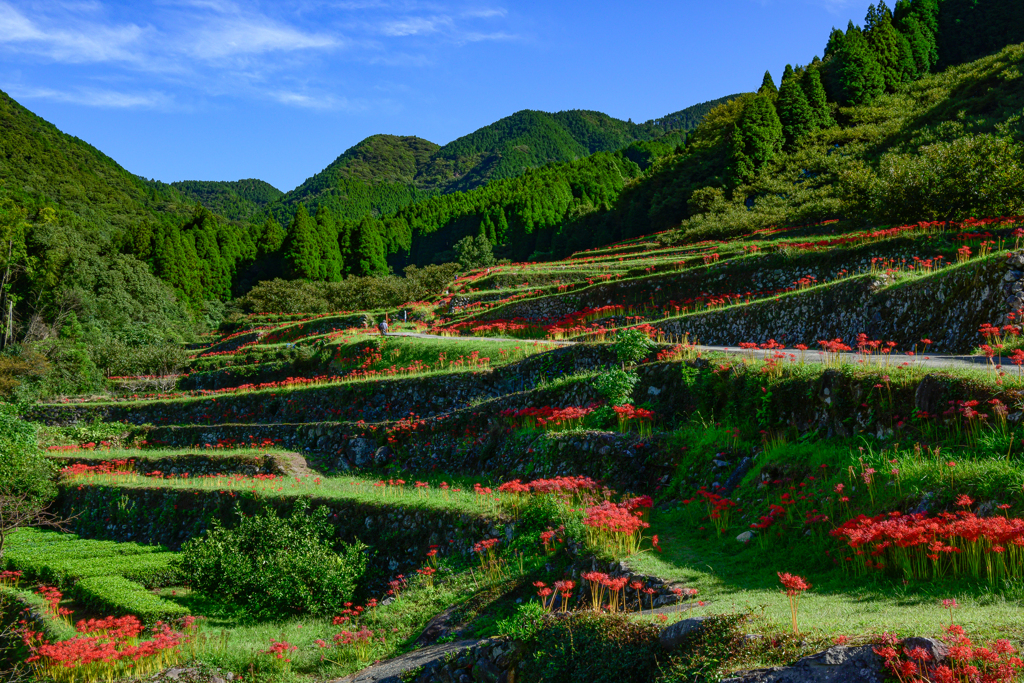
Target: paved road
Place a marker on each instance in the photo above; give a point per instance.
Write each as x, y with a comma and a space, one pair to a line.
936, 361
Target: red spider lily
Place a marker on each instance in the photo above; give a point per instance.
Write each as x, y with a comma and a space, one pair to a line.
925, 547
108, 649
795, 586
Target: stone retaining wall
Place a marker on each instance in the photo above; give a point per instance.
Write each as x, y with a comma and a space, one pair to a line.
946, 308
399, 535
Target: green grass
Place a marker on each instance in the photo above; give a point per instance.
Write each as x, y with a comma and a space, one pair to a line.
154, 454
64, 559
733, 577
334, 488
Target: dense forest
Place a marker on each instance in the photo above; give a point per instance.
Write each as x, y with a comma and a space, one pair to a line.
882, 126
238, 200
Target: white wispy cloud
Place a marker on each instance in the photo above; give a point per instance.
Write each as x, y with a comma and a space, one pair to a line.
217, 48
93, 98
255, 35
412, 26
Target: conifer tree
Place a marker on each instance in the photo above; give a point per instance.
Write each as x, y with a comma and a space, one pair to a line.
272, 236
500, 226
795, 112
815, 93
859, 75
368, 248
891, 48
330, 255
757, 137
304, 246
768, 85
835, 42
925, 14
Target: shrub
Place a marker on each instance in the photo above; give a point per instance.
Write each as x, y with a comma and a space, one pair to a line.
273, 565
118, 596
616, 386
24, 470
587, 647
976, 175
474, 252
631, 346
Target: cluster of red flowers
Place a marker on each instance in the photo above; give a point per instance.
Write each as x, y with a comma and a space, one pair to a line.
550, 418
948, 544
572, 485
616, 527
997, 663
105, 467
10, 578
108, 648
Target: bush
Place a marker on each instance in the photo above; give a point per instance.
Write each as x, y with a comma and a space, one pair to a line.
272, 566
616, 386
976, 175
353, 293
474, 252
586, 647
24, 470
631, 346
117, 596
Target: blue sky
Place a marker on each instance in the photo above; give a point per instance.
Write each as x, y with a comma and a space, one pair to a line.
219, 90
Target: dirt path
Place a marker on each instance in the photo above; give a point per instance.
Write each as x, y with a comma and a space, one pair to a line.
391, 670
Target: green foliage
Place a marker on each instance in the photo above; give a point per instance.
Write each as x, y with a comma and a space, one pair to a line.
631, 346
116, 595
795, 113
891, 48
240, 200
975, 175
757, 137
275, 565
816, 99
768, 86
474, 252
969, 29
354, 293
587, 647
24, 469
524, 624
616, 385
860, 76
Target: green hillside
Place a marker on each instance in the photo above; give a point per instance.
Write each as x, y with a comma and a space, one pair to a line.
385, 173
238, 200
41, 166
378, 175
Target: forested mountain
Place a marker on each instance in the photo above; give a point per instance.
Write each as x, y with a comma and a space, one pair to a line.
385, 173
41, 166
378, 175
238, 200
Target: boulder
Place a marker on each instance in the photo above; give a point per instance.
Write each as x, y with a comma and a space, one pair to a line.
745, 537
361, 451
673, 636
840, 664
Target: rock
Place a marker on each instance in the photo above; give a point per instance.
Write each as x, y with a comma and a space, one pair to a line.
936, 648
737, 476
672, 636
484, 670
745, 537
720, 463
930, 394
839, 664
361, 451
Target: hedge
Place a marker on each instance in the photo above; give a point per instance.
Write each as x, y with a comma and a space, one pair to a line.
117, 596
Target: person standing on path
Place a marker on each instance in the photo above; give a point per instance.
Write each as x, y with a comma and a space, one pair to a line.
383, 327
